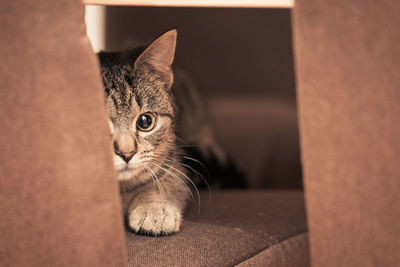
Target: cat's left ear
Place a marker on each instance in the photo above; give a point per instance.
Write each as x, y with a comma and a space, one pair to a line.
159, 55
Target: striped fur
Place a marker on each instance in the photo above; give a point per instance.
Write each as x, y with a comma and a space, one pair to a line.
157, 181
154, 185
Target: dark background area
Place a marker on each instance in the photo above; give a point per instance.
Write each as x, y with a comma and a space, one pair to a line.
242, 62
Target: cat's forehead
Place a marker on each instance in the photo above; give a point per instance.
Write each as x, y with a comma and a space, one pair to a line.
128, 102
122, 104
130, 91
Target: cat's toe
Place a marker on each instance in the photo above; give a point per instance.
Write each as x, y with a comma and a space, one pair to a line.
155, 219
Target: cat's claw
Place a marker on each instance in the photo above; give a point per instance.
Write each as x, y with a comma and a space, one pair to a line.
155, 219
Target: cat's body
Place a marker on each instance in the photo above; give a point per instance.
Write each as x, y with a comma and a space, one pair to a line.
152, 114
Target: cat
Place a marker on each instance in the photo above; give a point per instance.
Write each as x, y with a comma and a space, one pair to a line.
153, 114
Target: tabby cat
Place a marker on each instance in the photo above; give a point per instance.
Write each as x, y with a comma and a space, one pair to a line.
151, 117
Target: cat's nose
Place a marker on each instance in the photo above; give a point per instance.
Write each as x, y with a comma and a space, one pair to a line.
126, 156
126, 150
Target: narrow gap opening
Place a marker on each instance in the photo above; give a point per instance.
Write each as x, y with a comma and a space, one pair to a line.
241, 61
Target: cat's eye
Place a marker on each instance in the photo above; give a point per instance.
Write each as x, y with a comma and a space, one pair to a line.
146, 122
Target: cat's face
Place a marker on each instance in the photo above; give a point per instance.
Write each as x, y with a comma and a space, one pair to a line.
141, 109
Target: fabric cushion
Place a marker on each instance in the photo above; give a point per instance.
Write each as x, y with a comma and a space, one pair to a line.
348, 65
231, 227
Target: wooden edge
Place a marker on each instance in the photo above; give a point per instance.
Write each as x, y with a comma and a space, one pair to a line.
196, 3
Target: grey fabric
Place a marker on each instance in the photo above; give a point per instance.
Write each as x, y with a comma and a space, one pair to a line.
231, 228
292, 252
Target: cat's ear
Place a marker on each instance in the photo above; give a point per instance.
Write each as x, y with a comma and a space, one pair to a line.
159, 55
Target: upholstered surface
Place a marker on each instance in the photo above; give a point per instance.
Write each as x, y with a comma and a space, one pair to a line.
292, 252
59, 202
232, 227
348, 77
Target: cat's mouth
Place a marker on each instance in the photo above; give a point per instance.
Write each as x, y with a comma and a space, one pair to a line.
126, 169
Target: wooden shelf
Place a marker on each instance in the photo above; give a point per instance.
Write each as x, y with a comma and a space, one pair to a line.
196, 3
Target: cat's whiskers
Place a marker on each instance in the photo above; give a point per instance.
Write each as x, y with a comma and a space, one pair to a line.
179, 139
155, 178
195, 160
198, 174
190, 180
184, 155
175, 176
185, 176
188, 145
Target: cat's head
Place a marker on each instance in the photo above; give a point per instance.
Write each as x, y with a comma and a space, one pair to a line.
140, 106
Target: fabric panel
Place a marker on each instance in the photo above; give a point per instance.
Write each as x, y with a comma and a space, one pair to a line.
347, 63
59, 201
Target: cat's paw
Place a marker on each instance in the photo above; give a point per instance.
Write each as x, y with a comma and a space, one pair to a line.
155, 219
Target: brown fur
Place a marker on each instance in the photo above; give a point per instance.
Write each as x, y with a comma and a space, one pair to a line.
154, 187
154, 175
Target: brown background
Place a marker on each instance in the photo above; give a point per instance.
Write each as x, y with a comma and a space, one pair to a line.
242, 61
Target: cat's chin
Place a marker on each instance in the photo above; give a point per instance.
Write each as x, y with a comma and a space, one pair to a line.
125, 174
131, 174
130, 178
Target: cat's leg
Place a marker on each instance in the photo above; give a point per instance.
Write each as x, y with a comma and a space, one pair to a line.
158, 211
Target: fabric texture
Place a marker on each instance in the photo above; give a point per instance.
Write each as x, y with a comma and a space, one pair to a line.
347, 57
59, 201
292, 252
230, 228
